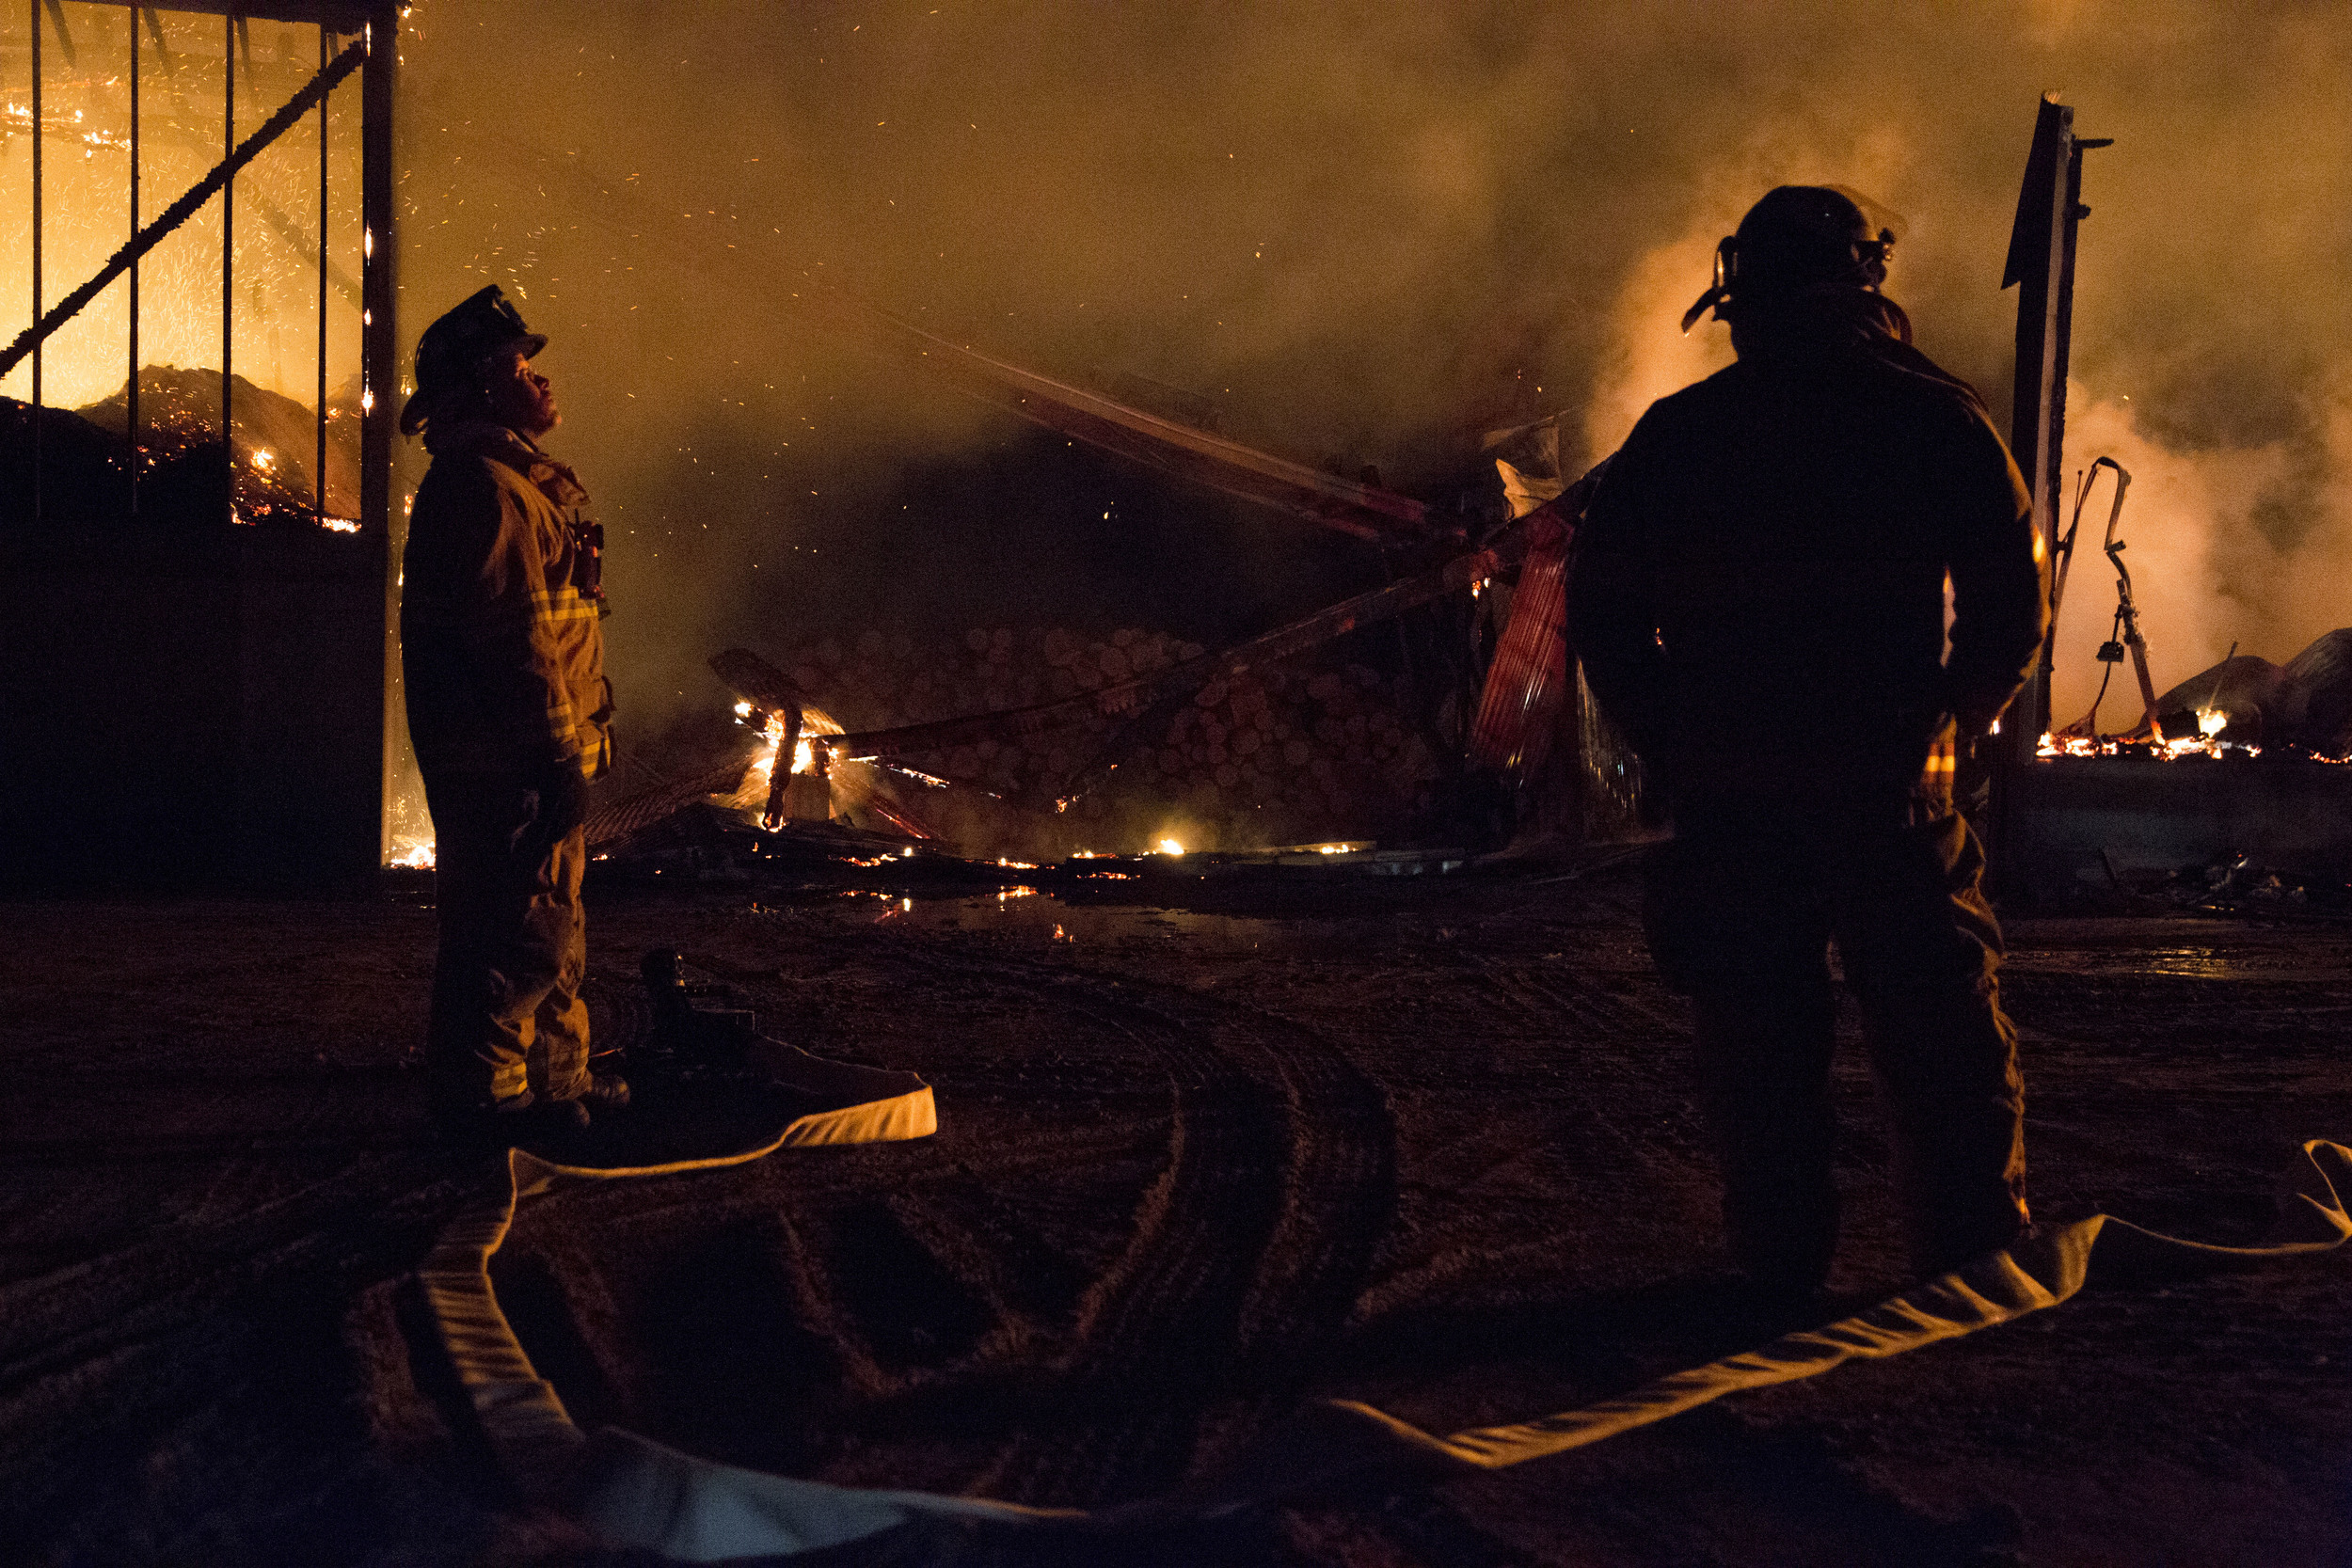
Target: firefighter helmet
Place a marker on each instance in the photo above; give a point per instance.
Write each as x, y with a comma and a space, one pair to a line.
457, 346
1797, 239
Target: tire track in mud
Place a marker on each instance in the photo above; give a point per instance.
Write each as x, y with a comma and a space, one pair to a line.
96, 1358
1244, 1254
1603, 1031
1604, 1123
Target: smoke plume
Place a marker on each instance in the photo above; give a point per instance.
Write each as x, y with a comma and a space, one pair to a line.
1363, 233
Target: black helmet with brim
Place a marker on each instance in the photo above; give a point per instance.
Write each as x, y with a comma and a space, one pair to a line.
1798, 239
457, 346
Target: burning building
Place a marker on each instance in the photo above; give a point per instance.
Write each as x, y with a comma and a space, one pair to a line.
194, 496
198, 460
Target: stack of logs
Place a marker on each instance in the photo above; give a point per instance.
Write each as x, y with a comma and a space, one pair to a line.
1315, 749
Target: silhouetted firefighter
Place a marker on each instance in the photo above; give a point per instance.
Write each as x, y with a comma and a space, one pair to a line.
510, 713
1758, 600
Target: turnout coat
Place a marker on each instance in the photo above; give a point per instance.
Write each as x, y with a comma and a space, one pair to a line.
501, 603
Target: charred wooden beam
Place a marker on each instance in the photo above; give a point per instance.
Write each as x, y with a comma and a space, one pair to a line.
763, 685
1367, 511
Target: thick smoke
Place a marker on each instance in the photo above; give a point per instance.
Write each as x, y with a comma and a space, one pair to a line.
1365, 233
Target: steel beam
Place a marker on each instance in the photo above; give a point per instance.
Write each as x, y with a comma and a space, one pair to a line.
131, 387
228, 263
379, 368
318, 468
37, 217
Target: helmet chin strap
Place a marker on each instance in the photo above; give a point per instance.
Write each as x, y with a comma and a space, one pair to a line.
1869, 256
1726, 268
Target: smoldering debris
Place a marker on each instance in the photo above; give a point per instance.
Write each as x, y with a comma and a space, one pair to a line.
709, 843
2245, 704
1318, 751
1051, 748
186, 485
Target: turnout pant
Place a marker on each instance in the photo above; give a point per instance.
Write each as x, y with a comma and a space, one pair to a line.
506, 1011
1743, 907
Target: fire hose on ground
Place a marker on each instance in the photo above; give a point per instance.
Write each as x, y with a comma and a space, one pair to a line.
638, 1493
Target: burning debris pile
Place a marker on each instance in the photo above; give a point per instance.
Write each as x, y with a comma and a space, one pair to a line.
1315, 747
184, 486
1050, 744
2243, 705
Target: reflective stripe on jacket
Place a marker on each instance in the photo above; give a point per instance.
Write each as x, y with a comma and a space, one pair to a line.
501, 645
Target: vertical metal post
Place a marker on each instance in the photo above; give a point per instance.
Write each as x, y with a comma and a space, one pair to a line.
379, 376
318, 467
131, 386
2069, 202
228, 254
36, 9
2040, 262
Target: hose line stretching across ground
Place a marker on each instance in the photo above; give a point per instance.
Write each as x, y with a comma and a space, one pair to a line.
638, 1493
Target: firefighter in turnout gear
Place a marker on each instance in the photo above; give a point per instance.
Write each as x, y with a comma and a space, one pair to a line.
1758, 600
502, 654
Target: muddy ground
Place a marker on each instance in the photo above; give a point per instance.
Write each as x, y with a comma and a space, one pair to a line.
1424, 1143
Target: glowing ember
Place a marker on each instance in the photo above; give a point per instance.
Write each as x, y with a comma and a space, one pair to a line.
803, 753
2204, 745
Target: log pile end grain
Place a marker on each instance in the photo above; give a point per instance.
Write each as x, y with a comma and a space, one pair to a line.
1319, 748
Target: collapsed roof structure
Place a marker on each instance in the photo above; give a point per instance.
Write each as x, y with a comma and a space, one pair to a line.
1286, 725
242, 518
